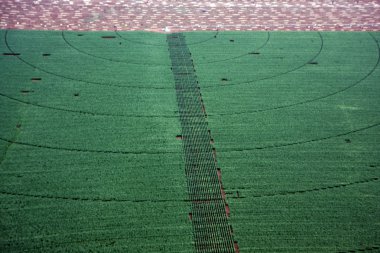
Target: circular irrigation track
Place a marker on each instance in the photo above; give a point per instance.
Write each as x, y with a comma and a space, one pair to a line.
263, 47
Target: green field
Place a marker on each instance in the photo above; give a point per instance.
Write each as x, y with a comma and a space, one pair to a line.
89, 160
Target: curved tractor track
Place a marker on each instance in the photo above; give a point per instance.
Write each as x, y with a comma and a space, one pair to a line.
182, 145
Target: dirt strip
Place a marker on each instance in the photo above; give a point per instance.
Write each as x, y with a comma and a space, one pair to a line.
174, 16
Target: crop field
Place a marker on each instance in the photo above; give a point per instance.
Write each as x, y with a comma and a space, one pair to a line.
95, 156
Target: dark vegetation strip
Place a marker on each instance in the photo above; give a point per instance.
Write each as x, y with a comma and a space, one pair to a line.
214, 114
96, 199
11, 54
313, 190
276, 75
7, 147
211, 230
112, 199
108, 37
198, 152
105, 114
89, 150
317, 98
305, 141
254, 52
88, 112
374, 248
145, 87
105, 58
108, 242
154, 64
109, 84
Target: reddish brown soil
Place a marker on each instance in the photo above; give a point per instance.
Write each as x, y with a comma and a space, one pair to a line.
171, 15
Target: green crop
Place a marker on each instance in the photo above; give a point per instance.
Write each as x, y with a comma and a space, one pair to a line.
89, 160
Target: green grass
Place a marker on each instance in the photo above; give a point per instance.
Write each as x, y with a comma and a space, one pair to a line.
337, 95
144, 179
104, 171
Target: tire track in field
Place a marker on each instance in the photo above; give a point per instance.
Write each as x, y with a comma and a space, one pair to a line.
111, 199
174, 152
302, 142
8, 146
330, 187
375, 247
237, 113
92, 199
111, 114
141, 87
152, 64
75, 79
117, 152
276, 75
239, 56
104, 58
317, 98
88, 112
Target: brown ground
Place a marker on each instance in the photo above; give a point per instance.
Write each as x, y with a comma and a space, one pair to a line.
170, 15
